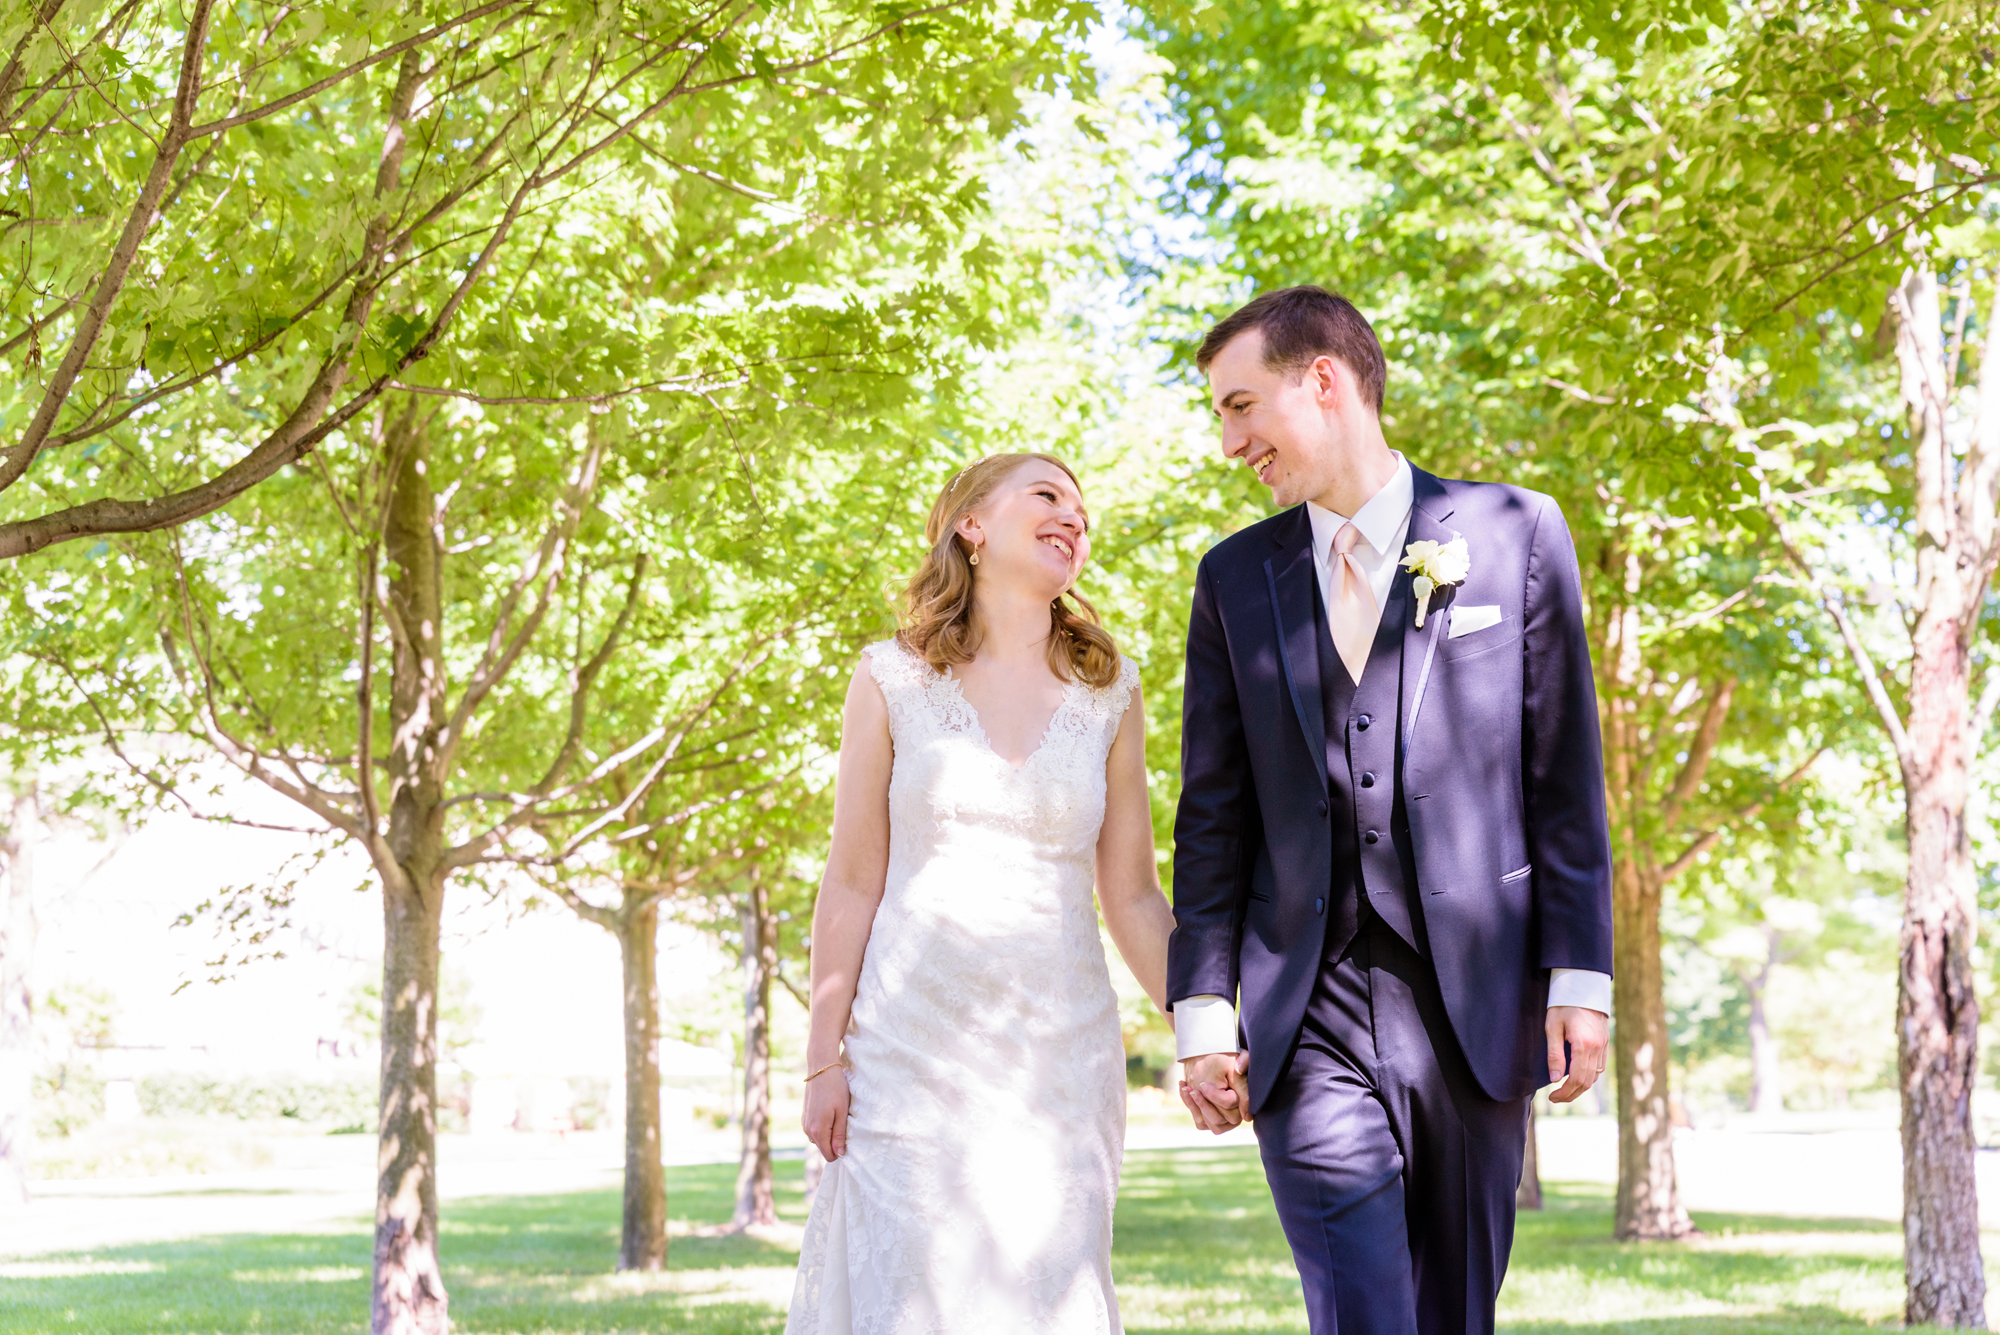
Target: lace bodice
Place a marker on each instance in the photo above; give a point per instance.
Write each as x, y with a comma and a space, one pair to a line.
984, 1053
950, 784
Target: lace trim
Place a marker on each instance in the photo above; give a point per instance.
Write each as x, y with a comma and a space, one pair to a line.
923, 701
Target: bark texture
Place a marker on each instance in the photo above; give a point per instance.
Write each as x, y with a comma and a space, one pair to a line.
1937, 1012
18, 929
1648, 1201
409, 1295
754, 1201
642, 1237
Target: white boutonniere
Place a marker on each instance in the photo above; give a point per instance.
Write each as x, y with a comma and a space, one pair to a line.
1436, 565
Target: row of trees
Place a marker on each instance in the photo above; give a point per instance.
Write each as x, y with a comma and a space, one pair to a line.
495, 428
1716, 278
478, 424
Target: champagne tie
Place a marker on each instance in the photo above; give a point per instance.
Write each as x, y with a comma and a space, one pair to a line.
1354, 615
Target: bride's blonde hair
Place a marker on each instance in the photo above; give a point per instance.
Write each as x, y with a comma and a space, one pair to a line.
937, 605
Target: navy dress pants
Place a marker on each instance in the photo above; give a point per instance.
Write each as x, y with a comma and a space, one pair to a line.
1393, 1173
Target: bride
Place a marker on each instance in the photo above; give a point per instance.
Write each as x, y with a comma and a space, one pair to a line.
966, 1073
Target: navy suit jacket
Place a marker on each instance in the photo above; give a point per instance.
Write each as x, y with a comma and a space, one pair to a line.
1498, 764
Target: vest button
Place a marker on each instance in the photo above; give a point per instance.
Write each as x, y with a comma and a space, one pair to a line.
1363, 722
1371, 837
1368, 780
1319, 906
1322, 808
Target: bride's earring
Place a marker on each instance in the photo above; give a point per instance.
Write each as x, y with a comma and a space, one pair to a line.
973, 559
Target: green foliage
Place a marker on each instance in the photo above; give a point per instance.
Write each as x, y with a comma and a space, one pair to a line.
328, 1103
67, 1097
520, 204
67, 1093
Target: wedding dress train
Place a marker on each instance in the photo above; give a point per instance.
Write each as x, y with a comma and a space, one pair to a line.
985, 1061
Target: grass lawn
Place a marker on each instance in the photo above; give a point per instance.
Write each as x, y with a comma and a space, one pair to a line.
1198, 1250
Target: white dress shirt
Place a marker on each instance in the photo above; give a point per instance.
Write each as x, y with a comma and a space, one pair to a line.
1204, 1024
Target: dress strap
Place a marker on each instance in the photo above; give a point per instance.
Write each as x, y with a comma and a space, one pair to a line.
1108, 703
909, 688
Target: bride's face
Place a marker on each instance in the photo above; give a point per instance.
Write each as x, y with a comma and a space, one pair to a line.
1031, 530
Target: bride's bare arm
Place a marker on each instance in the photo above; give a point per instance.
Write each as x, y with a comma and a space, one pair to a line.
1128, 877
856, 868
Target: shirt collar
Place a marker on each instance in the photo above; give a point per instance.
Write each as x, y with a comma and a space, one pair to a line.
1380, 518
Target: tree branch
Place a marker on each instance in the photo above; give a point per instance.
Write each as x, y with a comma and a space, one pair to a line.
1699, 753
1707, 839
506, 643
97, 311
586, 676
313, 90
1864, 663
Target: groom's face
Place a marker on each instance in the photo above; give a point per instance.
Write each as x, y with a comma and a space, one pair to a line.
1281, 426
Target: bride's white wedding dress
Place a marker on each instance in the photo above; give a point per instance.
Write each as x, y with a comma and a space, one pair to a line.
986, 1065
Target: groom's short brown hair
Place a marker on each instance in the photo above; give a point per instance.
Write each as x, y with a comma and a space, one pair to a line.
1300, 325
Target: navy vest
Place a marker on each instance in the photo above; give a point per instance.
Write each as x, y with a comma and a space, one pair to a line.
1373, 868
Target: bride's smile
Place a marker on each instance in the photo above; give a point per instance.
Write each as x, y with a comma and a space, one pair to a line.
1031, 533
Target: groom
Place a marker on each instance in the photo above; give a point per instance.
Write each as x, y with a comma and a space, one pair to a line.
1391, 835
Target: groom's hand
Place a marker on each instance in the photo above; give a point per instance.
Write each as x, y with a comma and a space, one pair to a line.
1213, 1088
1587, 1033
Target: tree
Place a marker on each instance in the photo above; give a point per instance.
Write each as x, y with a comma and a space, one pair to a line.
1452, 209
743, 649
788, 252
291, 209
500, 621
755, 1205
762, 930
1808, 161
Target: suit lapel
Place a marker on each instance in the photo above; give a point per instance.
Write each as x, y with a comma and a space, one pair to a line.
1294, 584
1430, 509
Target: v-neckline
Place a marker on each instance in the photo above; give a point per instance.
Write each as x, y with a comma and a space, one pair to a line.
979, 725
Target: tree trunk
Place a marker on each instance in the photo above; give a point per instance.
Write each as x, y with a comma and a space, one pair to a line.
1937, 1012
409, 1296
1648, 1200
1767, 1093
642, 1239
18, 929
1528, 1195
754, 1203
409, 1293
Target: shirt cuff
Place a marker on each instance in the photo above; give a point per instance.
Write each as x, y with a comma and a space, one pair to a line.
1578, 987
1203, 1025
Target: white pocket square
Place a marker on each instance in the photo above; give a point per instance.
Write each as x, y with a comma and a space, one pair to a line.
1465, 620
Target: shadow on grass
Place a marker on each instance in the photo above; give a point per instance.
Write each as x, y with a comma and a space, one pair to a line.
1198, 1249
539, 1263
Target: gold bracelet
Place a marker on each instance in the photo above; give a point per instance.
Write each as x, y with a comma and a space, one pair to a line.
823, 1070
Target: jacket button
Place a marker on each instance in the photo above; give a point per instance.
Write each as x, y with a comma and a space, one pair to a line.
1371, 837
1322, 808
1363, 722
1367, 781
1319, 906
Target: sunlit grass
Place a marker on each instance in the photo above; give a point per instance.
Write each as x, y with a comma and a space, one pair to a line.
1199, 1249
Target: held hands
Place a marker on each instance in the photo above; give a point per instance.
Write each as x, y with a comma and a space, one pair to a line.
826, 1112
1214, 1090
1587, 1032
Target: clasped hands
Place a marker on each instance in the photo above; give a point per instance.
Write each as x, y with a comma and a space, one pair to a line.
1213, 1088
1215, 1092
